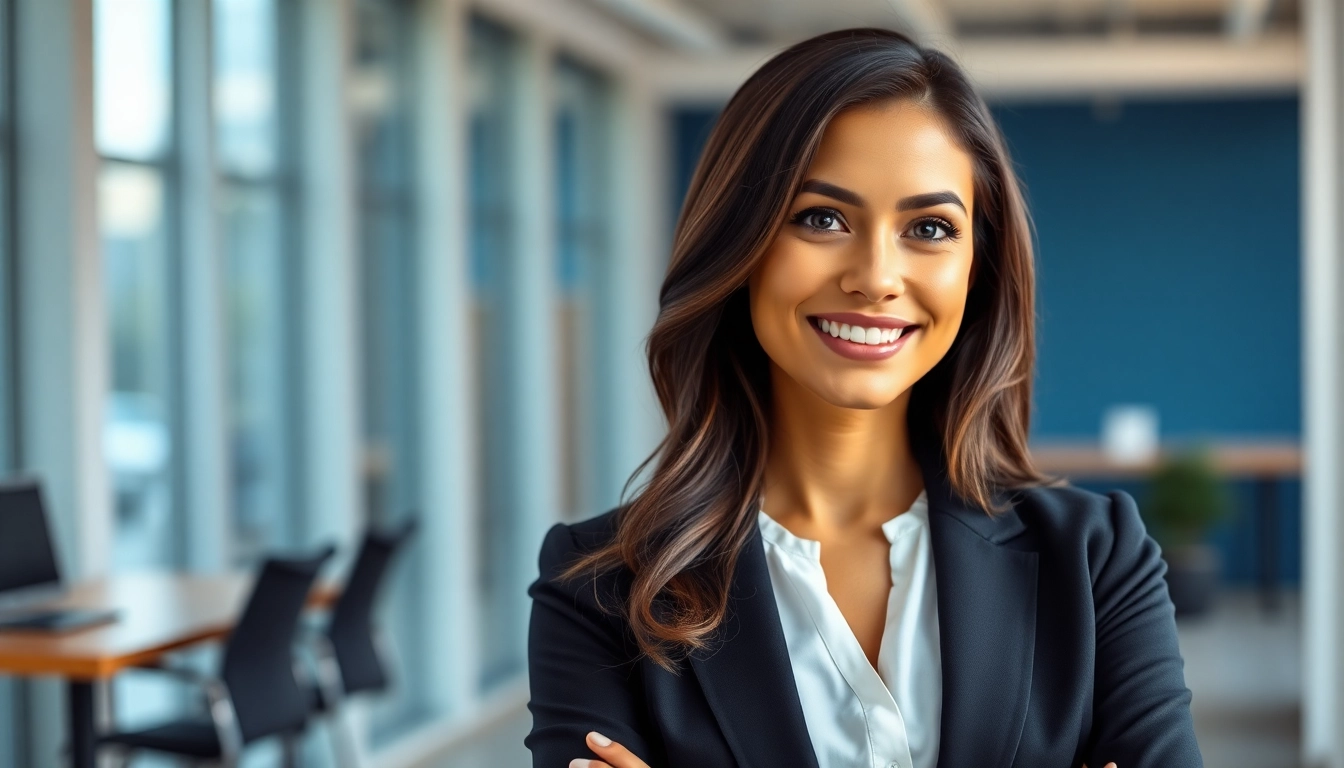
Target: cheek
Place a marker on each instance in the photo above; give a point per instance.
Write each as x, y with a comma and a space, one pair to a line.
785, 279
946, 285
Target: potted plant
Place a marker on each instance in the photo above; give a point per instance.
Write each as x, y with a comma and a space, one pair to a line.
1184, 498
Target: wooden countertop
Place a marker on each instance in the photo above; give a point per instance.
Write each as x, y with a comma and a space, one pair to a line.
1234, 458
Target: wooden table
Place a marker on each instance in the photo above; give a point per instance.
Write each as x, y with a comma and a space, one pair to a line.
160, 612
1265, 461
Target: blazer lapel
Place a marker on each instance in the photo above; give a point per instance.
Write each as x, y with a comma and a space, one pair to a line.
747, 676
986, 620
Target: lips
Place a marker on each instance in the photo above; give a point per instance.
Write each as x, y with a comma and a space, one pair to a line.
860, 351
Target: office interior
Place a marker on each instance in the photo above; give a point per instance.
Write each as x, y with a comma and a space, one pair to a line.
276, 274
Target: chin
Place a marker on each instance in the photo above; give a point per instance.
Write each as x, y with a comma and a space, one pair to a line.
860, 398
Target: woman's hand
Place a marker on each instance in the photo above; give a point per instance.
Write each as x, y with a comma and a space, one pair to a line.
613, 755
616, 756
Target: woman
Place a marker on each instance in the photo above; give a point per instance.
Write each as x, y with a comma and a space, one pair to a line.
844, 556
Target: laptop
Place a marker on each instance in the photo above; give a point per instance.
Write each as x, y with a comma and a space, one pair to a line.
29, 574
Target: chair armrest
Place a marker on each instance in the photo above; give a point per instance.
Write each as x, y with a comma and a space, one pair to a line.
218, 702
326, 669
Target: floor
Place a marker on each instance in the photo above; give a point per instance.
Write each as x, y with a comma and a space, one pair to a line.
1244, 668
1242, 665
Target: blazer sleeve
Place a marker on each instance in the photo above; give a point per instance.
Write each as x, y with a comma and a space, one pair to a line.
1141, 712
581, 677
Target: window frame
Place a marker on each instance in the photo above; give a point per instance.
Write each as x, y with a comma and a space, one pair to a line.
282, 181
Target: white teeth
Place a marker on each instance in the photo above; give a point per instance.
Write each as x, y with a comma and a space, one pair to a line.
858, 335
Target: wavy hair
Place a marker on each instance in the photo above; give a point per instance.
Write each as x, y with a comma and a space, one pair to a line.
680, 535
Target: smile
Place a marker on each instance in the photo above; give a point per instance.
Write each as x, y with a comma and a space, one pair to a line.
858, 343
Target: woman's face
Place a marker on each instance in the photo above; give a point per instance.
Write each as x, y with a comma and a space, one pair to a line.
878, 237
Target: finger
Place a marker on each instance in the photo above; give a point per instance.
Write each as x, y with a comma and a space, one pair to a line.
614, 753
581, 762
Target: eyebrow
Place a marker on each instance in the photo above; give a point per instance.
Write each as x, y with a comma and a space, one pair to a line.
926, 200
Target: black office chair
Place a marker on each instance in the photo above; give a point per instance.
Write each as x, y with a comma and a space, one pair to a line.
350, 650
257, 693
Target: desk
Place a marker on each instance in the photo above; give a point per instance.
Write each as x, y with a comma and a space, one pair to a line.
160, 612
1266, 461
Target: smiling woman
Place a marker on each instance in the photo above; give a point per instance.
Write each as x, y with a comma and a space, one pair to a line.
846, 327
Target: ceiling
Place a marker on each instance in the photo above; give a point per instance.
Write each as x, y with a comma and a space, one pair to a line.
701, 50
767, 21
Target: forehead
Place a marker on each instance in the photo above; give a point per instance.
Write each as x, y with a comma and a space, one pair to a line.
892, 149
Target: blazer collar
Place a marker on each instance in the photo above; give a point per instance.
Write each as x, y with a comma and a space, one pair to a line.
986, 617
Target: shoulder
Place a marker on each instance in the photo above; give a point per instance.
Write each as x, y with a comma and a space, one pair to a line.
589, 603
1104, 529
564, 544
1070, 509
566, 541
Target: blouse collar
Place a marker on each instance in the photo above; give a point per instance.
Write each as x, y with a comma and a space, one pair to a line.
917, 516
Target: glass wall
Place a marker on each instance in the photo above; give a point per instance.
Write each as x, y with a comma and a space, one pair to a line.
162, 102
9, 691
492, 214
133, 90
133, 128
253, 200
582, 135
7, 308
384, 91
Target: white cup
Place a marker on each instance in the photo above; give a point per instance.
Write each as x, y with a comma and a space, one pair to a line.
1129, 433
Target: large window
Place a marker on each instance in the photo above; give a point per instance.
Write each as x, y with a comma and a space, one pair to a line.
8, 369
493, 217
384, 94
134, 133
582, 137
252, 209
133, 127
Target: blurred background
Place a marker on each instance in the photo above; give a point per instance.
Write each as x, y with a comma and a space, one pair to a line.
282, 273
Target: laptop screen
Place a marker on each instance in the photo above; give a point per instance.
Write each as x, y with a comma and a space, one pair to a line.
27, 558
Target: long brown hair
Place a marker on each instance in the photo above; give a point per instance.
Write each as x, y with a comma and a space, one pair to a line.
681, 534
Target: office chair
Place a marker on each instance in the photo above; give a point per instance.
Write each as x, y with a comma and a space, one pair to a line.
257, 693
350, 651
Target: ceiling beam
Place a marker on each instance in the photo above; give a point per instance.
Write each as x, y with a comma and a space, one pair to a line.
669, 21
1048, 68
928, 21
1245, 19
574, 26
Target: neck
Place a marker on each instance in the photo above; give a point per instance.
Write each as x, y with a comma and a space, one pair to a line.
836, 468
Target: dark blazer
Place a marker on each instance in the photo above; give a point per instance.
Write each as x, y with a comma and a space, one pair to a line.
1057, 636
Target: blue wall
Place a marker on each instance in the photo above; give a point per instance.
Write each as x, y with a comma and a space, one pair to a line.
1168, 271
1168, 262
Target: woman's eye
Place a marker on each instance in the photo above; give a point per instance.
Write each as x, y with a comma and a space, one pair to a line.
820, 220
929, 229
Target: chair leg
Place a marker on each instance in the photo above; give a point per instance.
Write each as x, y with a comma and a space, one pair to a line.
289, 745
343, 739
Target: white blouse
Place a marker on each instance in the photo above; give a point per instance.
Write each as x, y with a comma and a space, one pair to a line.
858, 716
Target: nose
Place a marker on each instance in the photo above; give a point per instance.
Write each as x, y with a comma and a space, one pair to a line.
876, 269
